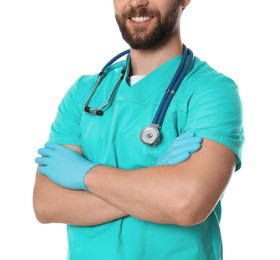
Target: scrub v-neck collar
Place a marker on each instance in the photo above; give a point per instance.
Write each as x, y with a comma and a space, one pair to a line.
156, 82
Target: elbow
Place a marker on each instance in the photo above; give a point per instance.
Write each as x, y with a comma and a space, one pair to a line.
44, 206
41, 215
186, 219
42, 212
188, 214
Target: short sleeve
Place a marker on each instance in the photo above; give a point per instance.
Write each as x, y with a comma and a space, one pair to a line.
215, 112
66, 127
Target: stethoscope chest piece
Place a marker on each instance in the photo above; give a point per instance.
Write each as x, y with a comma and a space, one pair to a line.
150, 135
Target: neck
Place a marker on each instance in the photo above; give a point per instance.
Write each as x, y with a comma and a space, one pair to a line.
145, 61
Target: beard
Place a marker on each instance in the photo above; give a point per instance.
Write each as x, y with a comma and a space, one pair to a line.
145, 38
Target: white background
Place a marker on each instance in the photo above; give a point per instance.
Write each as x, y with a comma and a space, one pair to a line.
46, 45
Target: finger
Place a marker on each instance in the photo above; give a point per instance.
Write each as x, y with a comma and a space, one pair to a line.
167, 155
192, 147
183, 136
42, 170
41, 160
46, 152
195, 139
185, 141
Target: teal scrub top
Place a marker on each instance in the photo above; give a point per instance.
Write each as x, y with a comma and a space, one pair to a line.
206, 102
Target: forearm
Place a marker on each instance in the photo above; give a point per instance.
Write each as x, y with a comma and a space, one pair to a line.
54, 204
150, 194
183, 194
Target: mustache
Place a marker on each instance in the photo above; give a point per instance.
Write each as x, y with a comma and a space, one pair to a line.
141, 11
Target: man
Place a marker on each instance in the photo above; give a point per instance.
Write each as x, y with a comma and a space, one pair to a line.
121, 198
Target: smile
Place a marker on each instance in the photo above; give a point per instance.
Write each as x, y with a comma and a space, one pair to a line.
141, 19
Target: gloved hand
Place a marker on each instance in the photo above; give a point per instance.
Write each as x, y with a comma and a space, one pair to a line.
180, 149
63, 166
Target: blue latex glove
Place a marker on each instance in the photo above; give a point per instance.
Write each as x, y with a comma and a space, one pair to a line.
180, 149
63, 166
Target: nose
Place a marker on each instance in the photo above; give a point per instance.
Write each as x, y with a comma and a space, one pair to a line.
138, 3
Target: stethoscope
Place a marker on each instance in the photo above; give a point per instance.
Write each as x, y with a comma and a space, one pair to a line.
151, 134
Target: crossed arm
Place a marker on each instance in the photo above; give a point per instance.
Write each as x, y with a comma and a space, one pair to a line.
55, 204
182, 194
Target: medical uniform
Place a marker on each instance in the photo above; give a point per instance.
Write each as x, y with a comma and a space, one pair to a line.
206, 102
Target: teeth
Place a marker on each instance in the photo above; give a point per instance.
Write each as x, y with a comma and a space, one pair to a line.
140, 19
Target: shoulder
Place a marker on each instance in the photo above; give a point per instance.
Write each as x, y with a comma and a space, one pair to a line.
214, 108
210, 89
203, 84
203, 77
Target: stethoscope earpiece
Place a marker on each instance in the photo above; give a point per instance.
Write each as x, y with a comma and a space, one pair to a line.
99, 112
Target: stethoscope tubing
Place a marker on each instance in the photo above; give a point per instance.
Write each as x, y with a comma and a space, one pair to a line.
100, 77
184, 67
110, 62
151, 134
